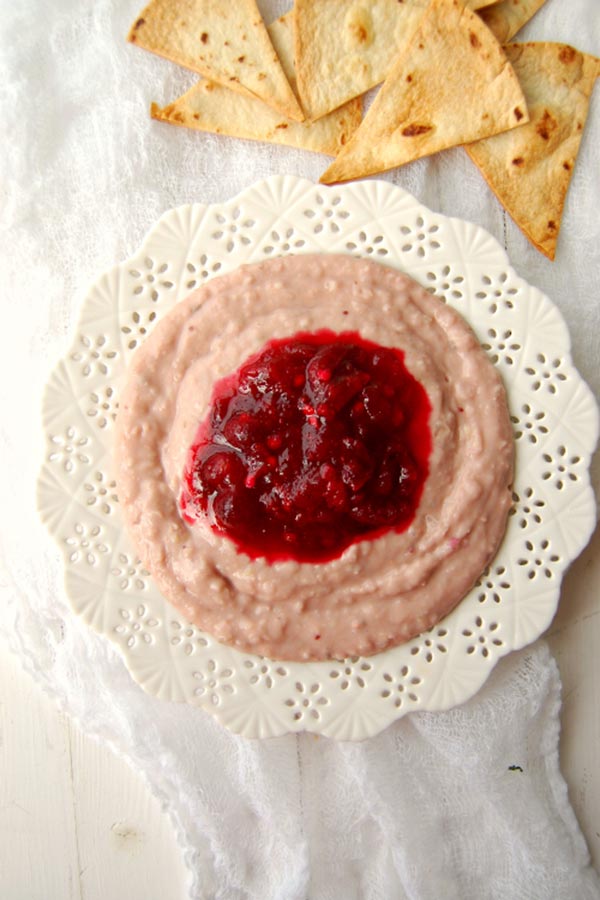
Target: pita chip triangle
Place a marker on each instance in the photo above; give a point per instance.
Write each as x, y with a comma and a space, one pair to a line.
529, 168
226, 42
451, 85
506, 18
345, 47
212, 107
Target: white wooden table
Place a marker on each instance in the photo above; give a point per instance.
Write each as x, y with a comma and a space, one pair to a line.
77, 824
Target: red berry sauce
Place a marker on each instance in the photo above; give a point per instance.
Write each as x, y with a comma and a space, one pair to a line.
316, 442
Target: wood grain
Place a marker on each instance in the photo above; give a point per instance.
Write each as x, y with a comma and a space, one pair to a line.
76, 823
574, 638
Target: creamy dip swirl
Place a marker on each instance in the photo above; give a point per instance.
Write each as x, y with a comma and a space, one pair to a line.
377, 593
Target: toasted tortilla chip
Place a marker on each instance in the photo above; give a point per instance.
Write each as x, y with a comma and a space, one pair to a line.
281, 33
345, 47
529, 168
509, 16
212, 107
226, 42
451, 85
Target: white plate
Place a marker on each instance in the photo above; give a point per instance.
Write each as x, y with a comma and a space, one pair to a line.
555, 419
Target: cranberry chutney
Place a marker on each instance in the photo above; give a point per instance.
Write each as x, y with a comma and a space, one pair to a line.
317, 441
314, 457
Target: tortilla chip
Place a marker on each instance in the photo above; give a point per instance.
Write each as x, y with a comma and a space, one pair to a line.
226, 42
281, 33
212, 107
509, 16
529, 168
346, 47
450, 86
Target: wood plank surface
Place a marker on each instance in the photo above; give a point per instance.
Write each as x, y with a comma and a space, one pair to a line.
38, 841
574, 638
76, 823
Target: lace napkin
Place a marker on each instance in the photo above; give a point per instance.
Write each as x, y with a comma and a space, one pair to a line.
465, 804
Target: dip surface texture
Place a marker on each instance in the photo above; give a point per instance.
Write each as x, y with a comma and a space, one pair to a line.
378, 592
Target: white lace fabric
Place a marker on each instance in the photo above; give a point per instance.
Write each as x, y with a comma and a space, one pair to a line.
429, 808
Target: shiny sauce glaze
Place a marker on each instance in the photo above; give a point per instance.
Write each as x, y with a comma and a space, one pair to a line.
316, 442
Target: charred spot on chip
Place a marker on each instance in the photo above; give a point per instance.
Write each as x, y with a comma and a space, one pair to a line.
567, 166
204, 37
552, 225
196, 116
282, 125
413, 130
171, 114
241, 59
567, 55
518, 161
234, 78
139, 24
518, 114
546, 125
408, 77
474, 40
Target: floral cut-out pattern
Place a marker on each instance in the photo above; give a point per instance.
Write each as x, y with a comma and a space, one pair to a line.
555, 425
